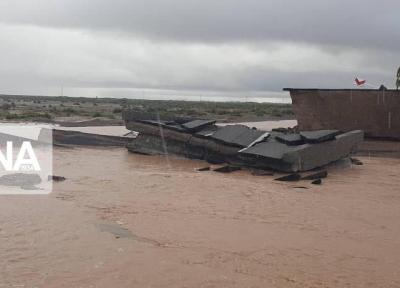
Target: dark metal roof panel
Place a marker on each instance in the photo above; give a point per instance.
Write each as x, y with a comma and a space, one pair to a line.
319, 135
290, 139
197, 125
207, 132
237, 135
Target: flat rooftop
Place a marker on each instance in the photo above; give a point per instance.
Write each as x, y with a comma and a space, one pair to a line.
337, 89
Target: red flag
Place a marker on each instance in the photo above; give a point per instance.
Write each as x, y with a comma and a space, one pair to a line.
360, 82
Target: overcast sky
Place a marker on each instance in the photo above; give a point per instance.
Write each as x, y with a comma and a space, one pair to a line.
128, 48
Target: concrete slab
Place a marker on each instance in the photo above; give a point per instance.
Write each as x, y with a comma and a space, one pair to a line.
237, 135
310, 156
207, 132
197, 125
319, 136
269, 150
290, 139
279, 156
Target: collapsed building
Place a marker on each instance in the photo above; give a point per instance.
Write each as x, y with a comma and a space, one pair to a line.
284, 150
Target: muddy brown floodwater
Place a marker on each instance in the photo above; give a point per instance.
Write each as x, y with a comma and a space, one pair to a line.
125, 220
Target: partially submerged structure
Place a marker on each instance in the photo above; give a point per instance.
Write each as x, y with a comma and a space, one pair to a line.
238, 144
65, 137
375, 111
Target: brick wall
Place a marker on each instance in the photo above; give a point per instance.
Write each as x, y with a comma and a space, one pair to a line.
375, 112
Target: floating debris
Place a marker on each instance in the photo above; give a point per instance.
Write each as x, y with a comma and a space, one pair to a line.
204, 169
258, 172
56, 178
290, 178
317, 182
227, 169
316, 175
356, 161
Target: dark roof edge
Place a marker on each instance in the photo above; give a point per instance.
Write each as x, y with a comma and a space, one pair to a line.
334, 89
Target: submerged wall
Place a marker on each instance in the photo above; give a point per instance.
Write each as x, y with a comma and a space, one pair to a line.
376, 112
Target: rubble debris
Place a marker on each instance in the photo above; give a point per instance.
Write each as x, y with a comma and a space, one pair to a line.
319, 135
355, 161
289, 178
290, 139
239, 145
204, 169
56, 178
316, 175
227, 169
259, 172
317, 182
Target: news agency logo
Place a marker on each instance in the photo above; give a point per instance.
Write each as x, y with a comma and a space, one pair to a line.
22, 163
26, 159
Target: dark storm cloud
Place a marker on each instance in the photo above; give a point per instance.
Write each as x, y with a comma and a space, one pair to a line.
353, 23
232, 46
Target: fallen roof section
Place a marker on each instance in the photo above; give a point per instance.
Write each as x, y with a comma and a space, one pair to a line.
304, 157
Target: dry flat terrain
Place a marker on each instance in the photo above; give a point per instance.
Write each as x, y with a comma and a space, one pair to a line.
124, 220
67, 109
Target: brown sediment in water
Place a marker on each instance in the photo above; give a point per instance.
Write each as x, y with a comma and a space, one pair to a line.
126, 220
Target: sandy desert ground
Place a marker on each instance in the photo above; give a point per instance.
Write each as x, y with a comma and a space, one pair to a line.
125, 220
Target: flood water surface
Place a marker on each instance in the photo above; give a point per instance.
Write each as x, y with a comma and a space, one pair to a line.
125, 220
